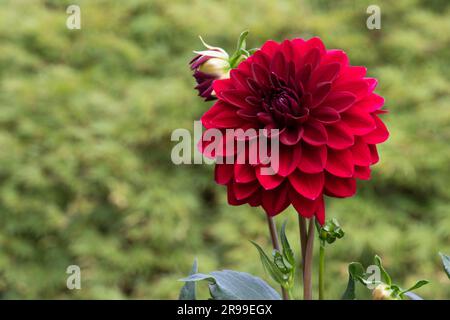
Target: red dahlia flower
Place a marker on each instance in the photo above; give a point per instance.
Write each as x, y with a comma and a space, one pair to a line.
327, 115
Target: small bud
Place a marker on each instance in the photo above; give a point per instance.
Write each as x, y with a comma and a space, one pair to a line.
383, 292
330, 231
209, 65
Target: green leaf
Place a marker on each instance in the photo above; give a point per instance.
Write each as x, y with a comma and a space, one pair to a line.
386, 278
418, 284
287, 251
355, 272
269, 265
188, 290
233, 285
241, 41
446, 263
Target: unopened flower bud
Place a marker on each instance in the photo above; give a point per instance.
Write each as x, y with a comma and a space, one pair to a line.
383, 292
210, 65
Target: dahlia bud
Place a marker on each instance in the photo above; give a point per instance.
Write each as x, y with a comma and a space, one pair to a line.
210, 65
330, 231
383, 292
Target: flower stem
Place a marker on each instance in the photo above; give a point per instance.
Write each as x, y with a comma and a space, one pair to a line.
303, 236
322, 271
276, 246
307, 273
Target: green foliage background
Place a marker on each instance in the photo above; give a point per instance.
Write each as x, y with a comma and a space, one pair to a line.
85, 123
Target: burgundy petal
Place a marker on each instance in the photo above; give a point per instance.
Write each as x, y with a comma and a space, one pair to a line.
291, 135
340, 163
339, 187
326, 114
275, 201
313, 159
268, 182
315, 133
340, 136
308, 185
340, 101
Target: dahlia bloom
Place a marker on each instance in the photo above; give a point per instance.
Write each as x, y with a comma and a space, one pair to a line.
328, 119
209, 65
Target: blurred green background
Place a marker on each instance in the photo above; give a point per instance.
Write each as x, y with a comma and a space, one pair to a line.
85, 123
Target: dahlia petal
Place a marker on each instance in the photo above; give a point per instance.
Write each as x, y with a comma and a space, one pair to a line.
222, 85
340, 136
373, 102
320, 93
237, 98
260, 74
308, 185
379, 135
374, 154
248, 115
287, 49
325, 73
289, 158
278, 65
352, 72
325, 115
313, 159
320, 211
275, 201
268, 182
244, 190
212, 112
244, 173
223, 173
291, 135
362, 172
227, 119
262, 59
359, 88
304, 74
232, 200
371, 84
305, 207
316, 43
340, 101
340, 163
255, 199
314, 133
361, 153
270, 47
337, 56
240, 79
360, 122
312, 58
339, 187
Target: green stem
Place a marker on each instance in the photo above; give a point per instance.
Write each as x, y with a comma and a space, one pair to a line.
322, 271
276, 246
307, 276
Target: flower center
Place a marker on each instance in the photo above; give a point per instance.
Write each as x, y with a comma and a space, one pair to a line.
284, 106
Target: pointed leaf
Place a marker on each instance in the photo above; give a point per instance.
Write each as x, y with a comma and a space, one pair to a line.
188, 290
355, 272
287, 251
446, 263
269, 265
384, 274
233, 285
